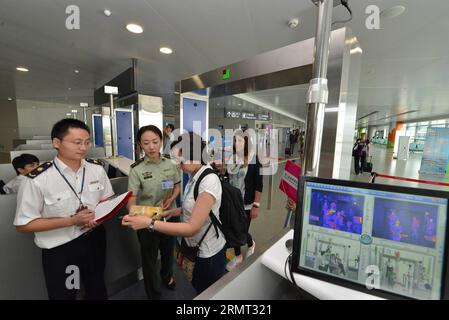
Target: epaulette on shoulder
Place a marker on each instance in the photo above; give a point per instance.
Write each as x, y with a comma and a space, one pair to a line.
33, 174
137, 163
96, 161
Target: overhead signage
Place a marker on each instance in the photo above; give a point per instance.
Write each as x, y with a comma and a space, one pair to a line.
264, 117
249, 116
233, 114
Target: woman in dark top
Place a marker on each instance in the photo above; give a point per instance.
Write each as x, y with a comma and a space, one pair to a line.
244, 174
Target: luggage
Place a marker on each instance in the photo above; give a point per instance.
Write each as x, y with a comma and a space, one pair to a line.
368, 167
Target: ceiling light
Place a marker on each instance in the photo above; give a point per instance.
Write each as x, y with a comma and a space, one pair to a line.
166, 50
76, 71
33, 107
70, 89
74, 111
68, 114
10, 99
107, 12
134, 28
23, 69
392, 12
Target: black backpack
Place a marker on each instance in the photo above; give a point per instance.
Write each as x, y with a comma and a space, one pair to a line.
234, 221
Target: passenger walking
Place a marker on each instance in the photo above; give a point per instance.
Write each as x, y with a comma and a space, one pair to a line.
357, 154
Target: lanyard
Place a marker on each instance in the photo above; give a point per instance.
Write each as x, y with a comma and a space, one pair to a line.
189, 188
71, 187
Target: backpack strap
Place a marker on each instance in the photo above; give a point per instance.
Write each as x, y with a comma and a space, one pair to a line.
214, 219
204, 235
200, 178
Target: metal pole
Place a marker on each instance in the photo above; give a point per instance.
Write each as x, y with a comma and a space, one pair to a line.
288, 218
270, 190
317, 96
84, 115
112, 118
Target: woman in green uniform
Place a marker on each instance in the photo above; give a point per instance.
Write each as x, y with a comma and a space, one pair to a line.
154, 181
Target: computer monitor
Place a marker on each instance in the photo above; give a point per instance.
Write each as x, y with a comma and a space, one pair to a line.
383, 240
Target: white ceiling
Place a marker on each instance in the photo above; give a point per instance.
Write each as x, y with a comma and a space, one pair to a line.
405, 64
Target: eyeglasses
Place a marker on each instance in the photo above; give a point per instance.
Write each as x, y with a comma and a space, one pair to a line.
80, 143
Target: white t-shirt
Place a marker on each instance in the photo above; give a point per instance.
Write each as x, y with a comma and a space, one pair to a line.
211, 245
13, 185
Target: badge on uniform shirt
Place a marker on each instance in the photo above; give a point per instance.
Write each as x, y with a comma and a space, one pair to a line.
167, 184
147, 175
95, 186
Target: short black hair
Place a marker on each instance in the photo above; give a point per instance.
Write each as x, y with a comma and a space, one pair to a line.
188, 141
172, 127
151, 128
61, 128
24, 159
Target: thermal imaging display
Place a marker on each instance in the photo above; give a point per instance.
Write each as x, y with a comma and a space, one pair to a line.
389, 240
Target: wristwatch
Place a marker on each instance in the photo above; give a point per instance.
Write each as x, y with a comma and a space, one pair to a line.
151, 225
256, 204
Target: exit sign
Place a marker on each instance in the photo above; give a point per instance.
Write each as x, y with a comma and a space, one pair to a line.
226, 74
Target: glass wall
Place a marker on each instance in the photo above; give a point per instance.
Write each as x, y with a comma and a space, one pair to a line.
418, 130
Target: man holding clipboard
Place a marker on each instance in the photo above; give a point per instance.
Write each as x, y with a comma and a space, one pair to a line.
56, 202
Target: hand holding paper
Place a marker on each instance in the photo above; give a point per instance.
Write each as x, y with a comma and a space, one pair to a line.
154, 213
109, 208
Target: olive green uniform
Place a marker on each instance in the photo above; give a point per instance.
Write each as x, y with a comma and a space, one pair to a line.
152, 182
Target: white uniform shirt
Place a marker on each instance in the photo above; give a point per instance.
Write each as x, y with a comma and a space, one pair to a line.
49, 196
13, 185
211, 245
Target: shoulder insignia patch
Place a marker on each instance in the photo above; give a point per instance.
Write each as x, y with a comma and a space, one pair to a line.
43, 167
137, 163
96, 161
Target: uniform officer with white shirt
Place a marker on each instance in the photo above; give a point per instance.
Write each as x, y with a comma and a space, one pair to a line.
56, 202
23, 164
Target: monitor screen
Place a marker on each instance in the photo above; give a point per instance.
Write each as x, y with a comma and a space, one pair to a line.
383, 240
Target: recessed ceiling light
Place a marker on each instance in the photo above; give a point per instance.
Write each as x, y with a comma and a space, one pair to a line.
10, 99
68, 114
23, 69
134, 28
70, 89
392, 12
166, 50
107, 12
76, 71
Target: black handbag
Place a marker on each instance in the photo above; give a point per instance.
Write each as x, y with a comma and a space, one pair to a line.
191, 253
